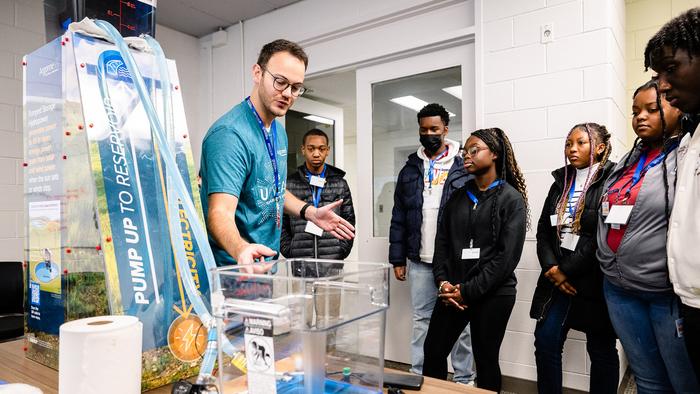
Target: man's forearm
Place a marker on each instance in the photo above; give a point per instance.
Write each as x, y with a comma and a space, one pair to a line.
223, 229
293, 205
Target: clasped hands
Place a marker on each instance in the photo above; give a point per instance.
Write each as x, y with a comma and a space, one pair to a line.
451, 295
560, 281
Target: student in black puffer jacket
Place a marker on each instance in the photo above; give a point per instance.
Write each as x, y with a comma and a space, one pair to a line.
569, 291
296, 242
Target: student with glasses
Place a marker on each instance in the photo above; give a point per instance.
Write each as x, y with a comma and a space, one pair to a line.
477, 247
244, 166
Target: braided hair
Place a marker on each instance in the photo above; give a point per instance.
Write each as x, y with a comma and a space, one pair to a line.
681, 32
597, 134
506, 167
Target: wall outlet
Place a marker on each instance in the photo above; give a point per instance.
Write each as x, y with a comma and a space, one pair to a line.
547, 33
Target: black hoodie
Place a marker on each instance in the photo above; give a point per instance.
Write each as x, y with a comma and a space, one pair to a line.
493, 273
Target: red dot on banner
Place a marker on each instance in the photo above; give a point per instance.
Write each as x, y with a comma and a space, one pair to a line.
67, 39
63, 43
90, 125
98, 247
108, 239
68, 250
65, 272
177, 87
65, 157
25, 348
24, 63
184, 136
24, 264
24, 164
82, 65
67, 132
80, 127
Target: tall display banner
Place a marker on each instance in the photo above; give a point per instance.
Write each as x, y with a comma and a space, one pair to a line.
98, 228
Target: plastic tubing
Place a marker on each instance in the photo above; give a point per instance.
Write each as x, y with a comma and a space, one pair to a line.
176, 185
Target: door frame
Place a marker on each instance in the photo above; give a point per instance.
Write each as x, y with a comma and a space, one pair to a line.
371, 248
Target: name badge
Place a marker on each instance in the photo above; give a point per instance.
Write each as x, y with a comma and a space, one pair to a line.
605, 208
569, 241
312, 228
554, 219
619, 214
470, 253
317, 181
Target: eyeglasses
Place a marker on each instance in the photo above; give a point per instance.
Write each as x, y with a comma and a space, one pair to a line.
281, 84
471, 151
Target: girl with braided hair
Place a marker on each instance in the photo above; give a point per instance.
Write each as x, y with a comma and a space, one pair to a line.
632, 228
477, 247
674, 53
569, 291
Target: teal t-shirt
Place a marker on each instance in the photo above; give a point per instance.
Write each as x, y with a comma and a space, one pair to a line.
235, 160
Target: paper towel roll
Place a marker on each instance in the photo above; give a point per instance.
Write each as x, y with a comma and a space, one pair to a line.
100, 355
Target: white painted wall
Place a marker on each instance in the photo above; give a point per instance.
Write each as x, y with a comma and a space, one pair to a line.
184, 49
22, 31
536, 92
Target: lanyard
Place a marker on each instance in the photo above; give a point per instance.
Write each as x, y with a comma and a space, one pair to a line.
271, 145
316, 191
475, 200
639, 172
572, 208
431, 166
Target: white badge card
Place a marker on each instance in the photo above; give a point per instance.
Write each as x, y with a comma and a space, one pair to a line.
317, 181
569, 241
554, 219
312, 228
619, 214
605, 207
470, 253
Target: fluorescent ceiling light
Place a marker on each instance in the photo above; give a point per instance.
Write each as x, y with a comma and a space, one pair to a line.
414, 103
454, 90
319, 119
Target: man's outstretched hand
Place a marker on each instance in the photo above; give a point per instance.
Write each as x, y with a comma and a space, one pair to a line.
330, 221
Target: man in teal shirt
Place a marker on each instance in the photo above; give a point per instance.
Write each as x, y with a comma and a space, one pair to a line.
244, 166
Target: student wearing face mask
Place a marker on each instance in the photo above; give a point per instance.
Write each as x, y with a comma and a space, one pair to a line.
425, 183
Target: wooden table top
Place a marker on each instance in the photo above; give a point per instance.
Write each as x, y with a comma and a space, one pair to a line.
16, 368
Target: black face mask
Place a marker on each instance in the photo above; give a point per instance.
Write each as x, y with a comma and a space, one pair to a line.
431, 143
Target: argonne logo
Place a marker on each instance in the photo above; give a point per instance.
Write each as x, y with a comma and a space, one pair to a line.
117, 68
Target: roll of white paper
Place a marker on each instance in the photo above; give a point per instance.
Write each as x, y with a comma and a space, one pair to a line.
100, 355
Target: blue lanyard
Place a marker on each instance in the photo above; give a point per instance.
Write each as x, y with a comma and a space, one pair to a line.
316, 191
271, 146
431, 166
639, 173
572, 208
475, 200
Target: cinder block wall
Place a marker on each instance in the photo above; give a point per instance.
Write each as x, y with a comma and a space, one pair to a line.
644, 18
536, 92
21, 31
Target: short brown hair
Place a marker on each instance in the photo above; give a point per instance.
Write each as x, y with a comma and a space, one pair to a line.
282, 45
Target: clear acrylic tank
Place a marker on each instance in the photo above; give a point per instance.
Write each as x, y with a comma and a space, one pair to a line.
305, 326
